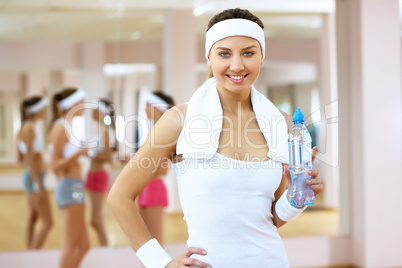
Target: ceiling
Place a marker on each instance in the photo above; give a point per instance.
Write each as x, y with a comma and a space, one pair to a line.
121, 20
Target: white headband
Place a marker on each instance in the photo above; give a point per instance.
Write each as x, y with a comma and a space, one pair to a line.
71, 100
157, 102
103, 108
234, 27
44, 102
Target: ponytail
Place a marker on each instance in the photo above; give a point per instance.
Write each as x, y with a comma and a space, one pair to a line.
56, 110
25, 115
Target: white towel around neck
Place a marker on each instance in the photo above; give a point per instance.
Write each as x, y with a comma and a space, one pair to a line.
199, 137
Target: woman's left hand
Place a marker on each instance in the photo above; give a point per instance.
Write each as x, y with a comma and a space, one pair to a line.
314, 181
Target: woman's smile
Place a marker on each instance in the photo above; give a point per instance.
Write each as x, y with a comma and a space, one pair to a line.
237, 78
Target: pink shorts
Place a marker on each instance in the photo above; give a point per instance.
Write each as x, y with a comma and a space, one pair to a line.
153, 195
97, 181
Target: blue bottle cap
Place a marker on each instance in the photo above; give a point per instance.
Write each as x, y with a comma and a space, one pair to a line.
298, 117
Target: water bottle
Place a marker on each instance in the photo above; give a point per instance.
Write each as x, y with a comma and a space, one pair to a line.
300, 161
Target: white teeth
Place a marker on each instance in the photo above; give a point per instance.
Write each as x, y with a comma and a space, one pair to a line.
236, 77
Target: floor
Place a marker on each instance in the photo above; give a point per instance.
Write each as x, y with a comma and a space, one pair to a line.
13, 213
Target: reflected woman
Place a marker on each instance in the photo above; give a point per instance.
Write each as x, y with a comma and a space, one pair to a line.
97, 182
30, 149
69, 193
153, 199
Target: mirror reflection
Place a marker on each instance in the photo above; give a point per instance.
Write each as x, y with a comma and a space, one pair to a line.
119, 54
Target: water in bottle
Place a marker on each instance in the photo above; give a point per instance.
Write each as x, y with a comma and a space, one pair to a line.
300, 162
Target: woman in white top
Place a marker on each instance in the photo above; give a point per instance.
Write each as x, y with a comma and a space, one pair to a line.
229, 150
30, 149
101, 153
69, 192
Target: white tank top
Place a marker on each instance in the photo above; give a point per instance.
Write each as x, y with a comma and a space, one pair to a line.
38, 142
227, 208
70, 148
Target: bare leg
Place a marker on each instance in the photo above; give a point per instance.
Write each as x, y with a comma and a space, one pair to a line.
153, 218
75, 238
42, 206
31, 220
83, 246
97, 200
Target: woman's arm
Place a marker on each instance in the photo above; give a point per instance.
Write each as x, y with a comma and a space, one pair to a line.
314, 181
163, 169
20, 156
159, 146
28, 137
59, 139
286, 182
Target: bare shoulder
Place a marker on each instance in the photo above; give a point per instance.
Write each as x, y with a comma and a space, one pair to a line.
178, 111
56, 132
174, 117
288, 118
168, 128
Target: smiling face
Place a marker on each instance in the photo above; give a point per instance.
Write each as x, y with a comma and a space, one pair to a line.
235, 62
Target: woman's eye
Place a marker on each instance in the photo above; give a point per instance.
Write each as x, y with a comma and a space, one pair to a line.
248, 54
224, 54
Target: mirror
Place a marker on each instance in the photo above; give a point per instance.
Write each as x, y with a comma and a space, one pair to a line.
115, 50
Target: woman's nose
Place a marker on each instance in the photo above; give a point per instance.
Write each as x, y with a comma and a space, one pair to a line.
236, 64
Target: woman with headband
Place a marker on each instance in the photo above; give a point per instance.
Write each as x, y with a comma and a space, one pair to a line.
228, 146
153, 198
69, 193
101, 153
30, 151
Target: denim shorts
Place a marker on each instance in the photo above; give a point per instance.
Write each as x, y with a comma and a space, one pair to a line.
69, 192
29, 183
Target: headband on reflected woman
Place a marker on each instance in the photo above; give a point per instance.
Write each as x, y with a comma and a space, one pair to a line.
234, 27
71, 100
157, 102
33, 109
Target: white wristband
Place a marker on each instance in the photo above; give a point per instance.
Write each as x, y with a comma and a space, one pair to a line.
152, 255
284, 209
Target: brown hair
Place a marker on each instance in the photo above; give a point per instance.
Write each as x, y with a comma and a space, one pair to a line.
169, 100
235, 13
110, 106
25, 104
56, 111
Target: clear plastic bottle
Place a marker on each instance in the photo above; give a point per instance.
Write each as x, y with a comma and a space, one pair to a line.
300, 161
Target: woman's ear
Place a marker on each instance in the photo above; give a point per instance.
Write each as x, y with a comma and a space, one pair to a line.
209, 62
